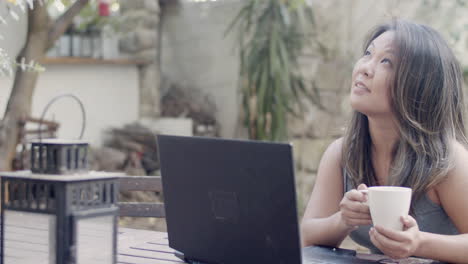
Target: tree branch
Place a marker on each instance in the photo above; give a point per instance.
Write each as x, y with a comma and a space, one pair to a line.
61, 24
38, 20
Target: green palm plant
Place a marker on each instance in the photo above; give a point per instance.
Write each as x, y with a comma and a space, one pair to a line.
271, 35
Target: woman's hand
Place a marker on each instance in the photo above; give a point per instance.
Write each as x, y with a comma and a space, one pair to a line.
353, 208
397, 244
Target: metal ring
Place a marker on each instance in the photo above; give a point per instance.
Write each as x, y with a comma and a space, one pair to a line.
83, 113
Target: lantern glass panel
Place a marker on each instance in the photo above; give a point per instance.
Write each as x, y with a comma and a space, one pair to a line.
29, 237
95, 237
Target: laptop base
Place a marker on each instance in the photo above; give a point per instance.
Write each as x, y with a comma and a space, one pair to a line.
182, 257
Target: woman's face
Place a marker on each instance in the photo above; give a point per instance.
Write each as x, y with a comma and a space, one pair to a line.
372, 76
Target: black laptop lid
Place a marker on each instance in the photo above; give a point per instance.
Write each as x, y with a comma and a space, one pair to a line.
230, 201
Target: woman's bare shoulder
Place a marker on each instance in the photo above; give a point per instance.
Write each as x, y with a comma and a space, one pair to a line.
330, 163
452, 190
459, 167
328, 184
335, 150
459, 154
459, 147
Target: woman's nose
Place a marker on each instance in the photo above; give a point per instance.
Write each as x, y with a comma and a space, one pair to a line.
367, 68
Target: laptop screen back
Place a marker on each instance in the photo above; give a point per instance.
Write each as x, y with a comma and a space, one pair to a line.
230, 201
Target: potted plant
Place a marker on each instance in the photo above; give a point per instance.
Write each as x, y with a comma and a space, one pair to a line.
271, 38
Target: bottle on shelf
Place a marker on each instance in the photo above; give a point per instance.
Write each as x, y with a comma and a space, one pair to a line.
65, 46
76, 40
86, 44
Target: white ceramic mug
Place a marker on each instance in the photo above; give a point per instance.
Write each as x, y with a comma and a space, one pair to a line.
387, 204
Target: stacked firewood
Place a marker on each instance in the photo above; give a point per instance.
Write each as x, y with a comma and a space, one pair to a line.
191, 103
132, 149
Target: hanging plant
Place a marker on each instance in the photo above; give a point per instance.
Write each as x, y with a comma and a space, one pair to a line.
271, 35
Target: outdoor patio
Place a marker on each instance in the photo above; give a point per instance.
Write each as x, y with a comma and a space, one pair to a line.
141, 68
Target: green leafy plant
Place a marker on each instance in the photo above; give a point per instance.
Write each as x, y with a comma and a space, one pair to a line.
89, 19
271, 35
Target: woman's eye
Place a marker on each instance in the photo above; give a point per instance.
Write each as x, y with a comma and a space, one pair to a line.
366, 53
387, 61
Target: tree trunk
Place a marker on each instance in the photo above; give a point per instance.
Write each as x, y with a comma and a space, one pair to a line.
41, 35
19, 103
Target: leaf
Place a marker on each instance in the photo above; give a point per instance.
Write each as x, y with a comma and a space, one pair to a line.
262, 91
278, 121
285, 15
273, 59
313, 95
236, 19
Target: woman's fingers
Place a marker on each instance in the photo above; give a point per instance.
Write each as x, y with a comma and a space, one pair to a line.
362, 186
360, 222
355, 195
355, 207
392, 235
408, 222
356, 215
353, 219
384, 240
378, 243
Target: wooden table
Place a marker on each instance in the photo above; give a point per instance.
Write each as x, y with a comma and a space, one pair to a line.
137, 246
150, 247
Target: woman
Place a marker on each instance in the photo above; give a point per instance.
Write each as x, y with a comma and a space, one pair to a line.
407, 129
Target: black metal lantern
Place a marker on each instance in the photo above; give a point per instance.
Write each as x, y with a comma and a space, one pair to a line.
58, 212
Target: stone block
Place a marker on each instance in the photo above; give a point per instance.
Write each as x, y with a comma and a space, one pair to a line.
127, 43
151, 22
170, 125
150, 100
308, 66
152, 6
318, 123
126, 5
321, 125
138, 40
304, 186
147, 5
147, 54
333, 75
146, 38
308, 152
141, 18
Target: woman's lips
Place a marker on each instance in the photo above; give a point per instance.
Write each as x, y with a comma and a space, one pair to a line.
360, 88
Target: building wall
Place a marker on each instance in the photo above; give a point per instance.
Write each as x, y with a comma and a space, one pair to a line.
196, 55
109, 94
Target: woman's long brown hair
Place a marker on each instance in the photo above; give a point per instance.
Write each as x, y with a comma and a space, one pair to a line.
427, 101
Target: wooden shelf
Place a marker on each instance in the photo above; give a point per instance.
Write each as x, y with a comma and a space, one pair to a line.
93, 61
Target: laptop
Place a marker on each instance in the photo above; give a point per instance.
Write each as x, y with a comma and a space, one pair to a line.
234, 201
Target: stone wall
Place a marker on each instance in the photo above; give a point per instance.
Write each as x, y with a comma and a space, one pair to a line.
196, 54
142, 42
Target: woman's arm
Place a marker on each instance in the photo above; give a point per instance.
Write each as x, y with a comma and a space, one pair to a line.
449, 248
323, 222
453, 196
453, 249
